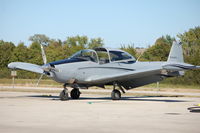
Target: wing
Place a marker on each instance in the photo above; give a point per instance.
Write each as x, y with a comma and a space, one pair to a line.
123, 76
26, 66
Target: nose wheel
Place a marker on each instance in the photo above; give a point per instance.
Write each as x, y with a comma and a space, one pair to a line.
75, 93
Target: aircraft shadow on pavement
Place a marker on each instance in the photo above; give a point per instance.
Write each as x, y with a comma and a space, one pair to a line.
140, 98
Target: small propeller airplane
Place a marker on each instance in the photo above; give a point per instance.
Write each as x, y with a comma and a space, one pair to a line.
103, 66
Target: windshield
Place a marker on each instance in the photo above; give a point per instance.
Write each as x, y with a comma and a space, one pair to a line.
86, 54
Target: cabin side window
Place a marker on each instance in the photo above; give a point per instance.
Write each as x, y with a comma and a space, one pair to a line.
119, 55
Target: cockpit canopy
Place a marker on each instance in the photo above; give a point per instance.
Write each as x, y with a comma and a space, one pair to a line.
103, 55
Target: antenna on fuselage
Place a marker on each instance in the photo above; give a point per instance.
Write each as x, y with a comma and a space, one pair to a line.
140, 55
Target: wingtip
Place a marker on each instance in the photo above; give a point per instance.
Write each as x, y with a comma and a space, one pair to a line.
11, 65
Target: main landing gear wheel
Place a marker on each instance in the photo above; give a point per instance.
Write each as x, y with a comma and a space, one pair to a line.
116, 95
64, 95
75, 93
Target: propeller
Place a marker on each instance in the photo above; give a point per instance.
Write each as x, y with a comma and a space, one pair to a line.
44, 58
39, 80
46, 67
43, 54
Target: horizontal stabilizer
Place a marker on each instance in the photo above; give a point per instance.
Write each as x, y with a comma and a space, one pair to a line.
179, 66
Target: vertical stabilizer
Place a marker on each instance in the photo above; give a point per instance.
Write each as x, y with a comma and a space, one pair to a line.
176, 53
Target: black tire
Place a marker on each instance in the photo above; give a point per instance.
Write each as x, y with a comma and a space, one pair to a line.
116, 95
75, 93
63, 95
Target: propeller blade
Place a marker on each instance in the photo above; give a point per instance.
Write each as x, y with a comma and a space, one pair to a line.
43, 54
39, 80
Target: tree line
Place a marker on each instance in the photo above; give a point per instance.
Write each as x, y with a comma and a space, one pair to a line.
57, 49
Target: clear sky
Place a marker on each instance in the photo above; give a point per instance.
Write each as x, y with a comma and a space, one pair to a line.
116, 21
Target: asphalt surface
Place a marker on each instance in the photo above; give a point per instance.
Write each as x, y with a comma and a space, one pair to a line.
108, 91
25, 112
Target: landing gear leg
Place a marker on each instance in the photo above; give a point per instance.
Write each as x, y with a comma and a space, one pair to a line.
116, 94
64, 93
